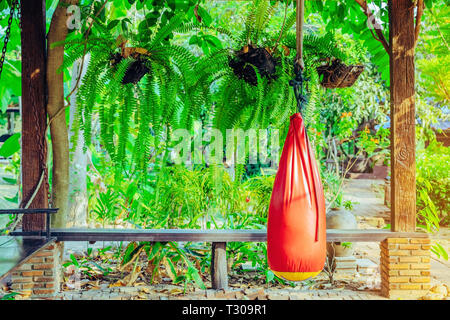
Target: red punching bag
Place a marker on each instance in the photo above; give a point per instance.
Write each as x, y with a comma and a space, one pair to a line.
296, 230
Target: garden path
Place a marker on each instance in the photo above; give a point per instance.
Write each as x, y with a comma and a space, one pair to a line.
371, 213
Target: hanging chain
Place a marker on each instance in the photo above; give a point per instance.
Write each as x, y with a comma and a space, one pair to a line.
19, 14
7, 34
297, 84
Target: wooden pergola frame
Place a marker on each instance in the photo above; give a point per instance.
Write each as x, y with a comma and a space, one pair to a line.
394, 243
401, 52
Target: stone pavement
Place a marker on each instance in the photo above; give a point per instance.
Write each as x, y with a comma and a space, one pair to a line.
171, 292
371, 213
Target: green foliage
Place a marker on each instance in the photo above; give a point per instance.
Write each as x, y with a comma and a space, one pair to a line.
87, 264
135, 115
10, 146
271, 101
374, 144
10, 296
348, 17
433, 185
432, 53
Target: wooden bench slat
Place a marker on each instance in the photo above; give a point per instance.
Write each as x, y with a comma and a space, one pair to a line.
197, 235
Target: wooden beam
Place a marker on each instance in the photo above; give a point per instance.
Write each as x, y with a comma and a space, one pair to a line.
403, 179
34, 116
219, 265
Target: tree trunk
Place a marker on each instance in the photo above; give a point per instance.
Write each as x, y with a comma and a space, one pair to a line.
55, 110
78, 198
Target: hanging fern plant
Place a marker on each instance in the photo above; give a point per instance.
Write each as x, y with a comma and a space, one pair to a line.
253, 73
139, 91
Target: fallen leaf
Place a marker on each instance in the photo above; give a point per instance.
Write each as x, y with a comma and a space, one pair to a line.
145, 290
142, 296
176, 291
138, 284
118, 283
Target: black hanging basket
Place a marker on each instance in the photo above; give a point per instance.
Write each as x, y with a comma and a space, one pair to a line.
338, 75
135, 71
249, 57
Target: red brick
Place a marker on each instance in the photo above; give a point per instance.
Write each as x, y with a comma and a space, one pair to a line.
394, 286
394, 273
421, 241
43, 279
398, 266
32, 273
44, 254
399, 253
420, 252
426, 286
22, 279
410, 272
43, 266
420, 279
424, 266
32, 285
409, 246
43, 291
410, 286
16, 286
399, 279
397, 240
36, 260
410, 259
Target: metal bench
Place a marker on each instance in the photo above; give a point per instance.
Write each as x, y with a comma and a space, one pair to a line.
217, 237
16, 250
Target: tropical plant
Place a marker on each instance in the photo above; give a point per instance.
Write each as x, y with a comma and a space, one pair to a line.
253, 72
432, 185
138, 91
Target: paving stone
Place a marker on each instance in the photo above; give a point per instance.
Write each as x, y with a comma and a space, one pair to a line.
366, 266
128, 289
272, 296
225, 294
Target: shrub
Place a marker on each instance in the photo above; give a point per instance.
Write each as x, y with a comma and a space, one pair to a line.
433, 185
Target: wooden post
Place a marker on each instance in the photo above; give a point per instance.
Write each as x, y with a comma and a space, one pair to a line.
219, 272
403, 180
34, 116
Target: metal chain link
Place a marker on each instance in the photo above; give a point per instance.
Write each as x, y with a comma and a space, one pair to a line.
297, 84
19, 14
7, 34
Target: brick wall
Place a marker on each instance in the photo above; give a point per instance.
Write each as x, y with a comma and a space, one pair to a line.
38, 276
405, 267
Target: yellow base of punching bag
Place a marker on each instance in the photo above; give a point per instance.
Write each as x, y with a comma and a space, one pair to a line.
296, 276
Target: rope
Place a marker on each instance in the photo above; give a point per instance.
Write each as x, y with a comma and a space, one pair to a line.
299, 29
297, 82
300, 95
